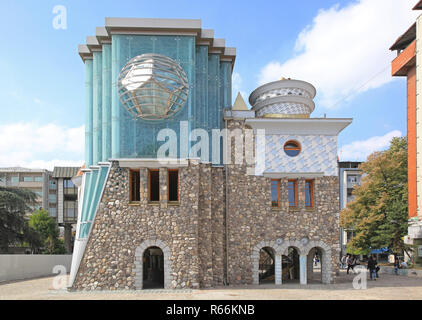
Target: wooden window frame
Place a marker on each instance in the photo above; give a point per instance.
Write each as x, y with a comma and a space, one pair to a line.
311, 193
299, 147
295, 192
131, 171
278, 189
149, 185
168, 186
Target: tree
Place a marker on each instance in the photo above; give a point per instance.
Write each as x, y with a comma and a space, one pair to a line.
378, 215
14, 203
46, 226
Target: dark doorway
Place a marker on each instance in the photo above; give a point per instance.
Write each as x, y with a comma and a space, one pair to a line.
290, 266
153, 268
266, 265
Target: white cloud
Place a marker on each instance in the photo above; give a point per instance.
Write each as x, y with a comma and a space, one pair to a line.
360, 150
237, 81
345, 49
32, 146
37, 101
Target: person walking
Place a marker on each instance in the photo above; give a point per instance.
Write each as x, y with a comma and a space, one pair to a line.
396, 266
351, 263
343, 262
372, 267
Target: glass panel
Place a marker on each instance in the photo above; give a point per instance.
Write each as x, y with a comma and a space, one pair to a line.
38, 179
52, 198
308, 194
52, 212
275, 192
28, 179
14, 179
52, 185
292, 193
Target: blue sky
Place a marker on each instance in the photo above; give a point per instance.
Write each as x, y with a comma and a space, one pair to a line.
338, 46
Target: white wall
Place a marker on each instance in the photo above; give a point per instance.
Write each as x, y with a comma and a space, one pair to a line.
26, 266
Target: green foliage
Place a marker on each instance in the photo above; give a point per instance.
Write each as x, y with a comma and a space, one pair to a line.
14, 203
379, 214
46, 226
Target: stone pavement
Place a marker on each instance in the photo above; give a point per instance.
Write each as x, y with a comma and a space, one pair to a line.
387, 287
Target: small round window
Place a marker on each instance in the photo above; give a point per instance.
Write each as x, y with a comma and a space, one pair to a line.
292, 148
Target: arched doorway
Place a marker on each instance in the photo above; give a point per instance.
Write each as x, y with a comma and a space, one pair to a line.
153, 268
315, 265
266, 265
291, 266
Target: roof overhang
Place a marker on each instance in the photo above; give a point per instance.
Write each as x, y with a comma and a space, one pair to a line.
405, 39
149, 26
418, 6
406, 60
311, 126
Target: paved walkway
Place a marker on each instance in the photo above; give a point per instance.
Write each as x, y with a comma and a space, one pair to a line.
387, 287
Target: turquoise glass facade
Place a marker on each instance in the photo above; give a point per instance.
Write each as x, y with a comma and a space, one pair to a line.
94, 186
112, 132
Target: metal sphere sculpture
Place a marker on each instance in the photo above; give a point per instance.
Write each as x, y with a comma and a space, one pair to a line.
152, 86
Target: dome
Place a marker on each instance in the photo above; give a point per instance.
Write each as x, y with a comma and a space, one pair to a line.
284, 98
152, 86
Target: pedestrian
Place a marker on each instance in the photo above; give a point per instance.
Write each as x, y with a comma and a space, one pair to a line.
372, 267
351, 263
404, 265
396, 266
343, 262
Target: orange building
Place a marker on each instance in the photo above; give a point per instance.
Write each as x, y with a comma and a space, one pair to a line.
408, 47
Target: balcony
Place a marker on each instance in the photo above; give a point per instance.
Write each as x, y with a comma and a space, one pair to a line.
404, 61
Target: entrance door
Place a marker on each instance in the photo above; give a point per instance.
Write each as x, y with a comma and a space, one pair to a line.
153, 268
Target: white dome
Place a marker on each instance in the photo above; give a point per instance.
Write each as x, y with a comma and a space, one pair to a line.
285, 98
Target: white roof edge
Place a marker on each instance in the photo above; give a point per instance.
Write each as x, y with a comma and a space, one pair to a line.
307, 126
152, 23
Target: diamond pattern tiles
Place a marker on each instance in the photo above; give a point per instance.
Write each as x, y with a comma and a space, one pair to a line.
284, 108
318, 154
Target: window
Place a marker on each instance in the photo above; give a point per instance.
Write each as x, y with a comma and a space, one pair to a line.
52, 184
292, 148
292, 189
38, 179
14, 179
70, 190
275, 193
52, 198
134, 180
52, 212
70, 210
28, 179
154, 185
173, 185
68, 183
309, 193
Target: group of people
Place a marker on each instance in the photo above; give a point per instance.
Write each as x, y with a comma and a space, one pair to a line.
350, 261
399, 265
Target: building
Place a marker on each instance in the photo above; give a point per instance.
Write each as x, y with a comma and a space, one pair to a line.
409, 51
67, 202
39, 181
184, 190
349, 177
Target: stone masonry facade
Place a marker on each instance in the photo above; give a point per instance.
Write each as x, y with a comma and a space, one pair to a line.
192, 233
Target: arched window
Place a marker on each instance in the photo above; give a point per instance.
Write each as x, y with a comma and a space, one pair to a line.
292, 148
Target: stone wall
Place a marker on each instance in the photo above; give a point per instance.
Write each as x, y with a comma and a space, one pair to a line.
192, 233
121, 227
252, 220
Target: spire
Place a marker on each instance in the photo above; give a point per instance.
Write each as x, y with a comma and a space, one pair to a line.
239, 104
